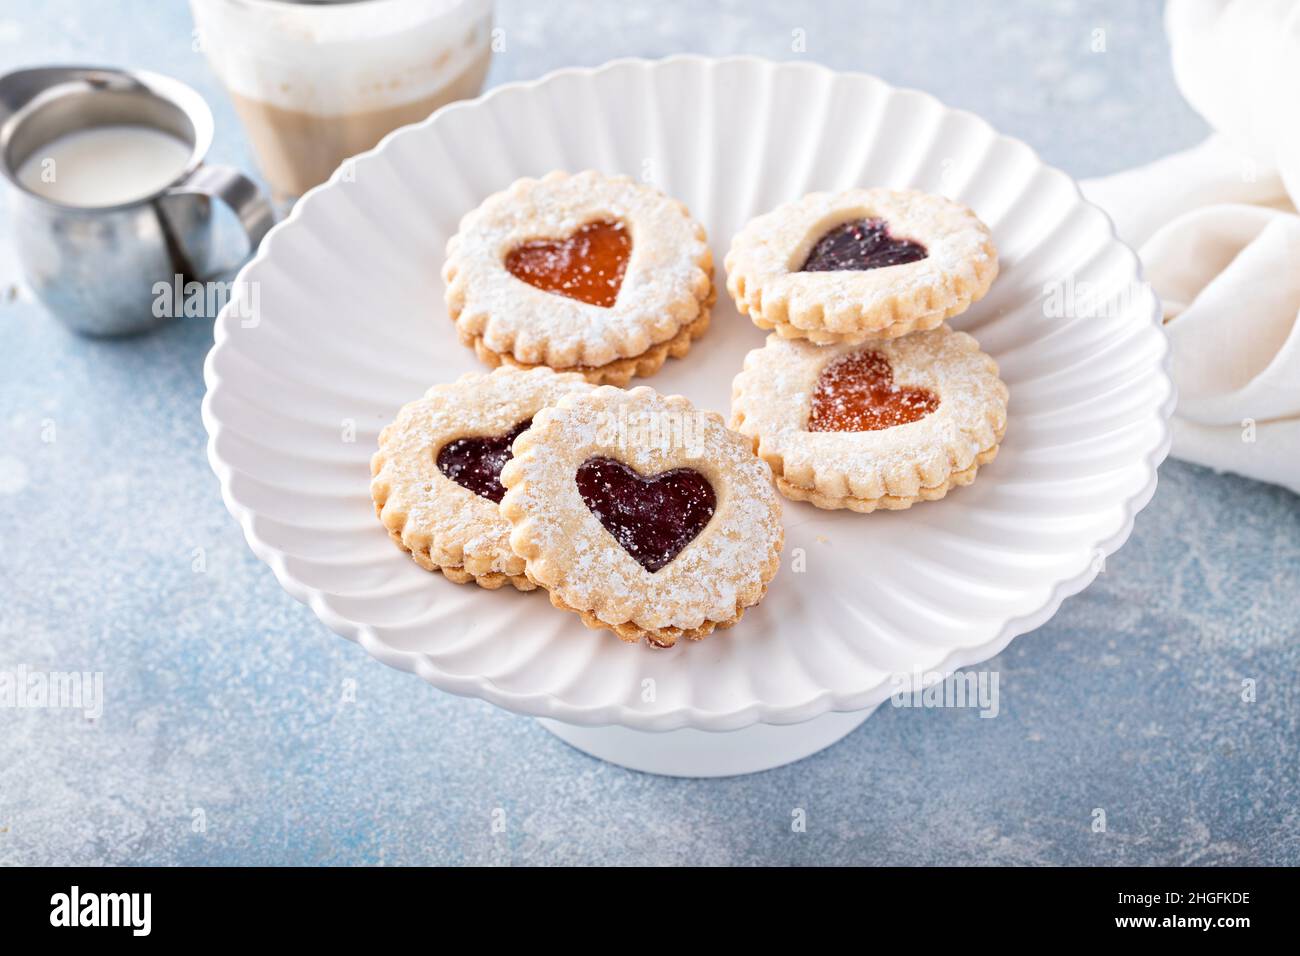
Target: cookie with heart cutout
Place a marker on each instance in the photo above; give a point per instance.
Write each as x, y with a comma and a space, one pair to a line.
875, 425
435, 478
860, 265
586, 273
642, 514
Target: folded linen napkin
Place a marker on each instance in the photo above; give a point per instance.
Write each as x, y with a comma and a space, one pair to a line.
1217, 230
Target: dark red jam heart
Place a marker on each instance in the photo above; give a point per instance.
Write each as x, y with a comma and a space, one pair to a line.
652, 518
860, 245
476, 463
858, 394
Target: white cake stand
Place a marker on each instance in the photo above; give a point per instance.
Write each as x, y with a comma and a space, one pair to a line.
347, 325
703, 753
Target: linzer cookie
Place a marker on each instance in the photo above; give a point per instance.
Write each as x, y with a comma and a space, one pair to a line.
587, 273
642, 514
436, 474
875, 425
859, 265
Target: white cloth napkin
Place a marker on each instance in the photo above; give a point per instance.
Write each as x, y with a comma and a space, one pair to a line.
1217, 230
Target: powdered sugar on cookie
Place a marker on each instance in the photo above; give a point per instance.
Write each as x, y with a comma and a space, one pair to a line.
444, 524
666, 284
569, 551
887, 467
765, 262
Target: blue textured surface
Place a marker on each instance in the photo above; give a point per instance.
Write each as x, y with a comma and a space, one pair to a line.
226, 696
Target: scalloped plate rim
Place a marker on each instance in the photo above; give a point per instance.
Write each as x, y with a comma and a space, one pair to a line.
545, 704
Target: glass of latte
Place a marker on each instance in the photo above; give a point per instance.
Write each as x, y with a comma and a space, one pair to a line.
317, 81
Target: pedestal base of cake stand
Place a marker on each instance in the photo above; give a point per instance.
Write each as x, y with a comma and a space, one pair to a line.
701, 753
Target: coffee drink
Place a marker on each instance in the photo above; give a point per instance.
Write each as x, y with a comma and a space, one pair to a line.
317, 83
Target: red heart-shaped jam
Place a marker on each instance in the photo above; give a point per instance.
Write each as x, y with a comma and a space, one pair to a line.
476, 463
857, 394
651, 518
859, 245
587, 266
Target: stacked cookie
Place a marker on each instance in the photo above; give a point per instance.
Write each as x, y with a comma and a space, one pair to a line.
598, 275
862, 397
637, 511
633, 509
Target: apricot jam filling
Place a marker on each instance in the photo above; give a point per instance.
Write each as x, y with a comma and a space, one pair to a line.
587, 266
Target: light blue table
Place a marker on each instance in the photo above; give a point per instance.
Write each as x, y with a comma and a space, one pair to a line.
225, 696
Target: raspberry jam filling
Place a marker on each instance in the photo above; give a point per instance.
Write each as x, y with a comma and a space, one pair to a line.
588, 266
858, 394
860, 245
653, 518
476, 463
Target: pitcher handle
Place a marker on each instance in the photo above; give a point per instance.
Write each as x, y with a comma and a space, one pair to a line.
238, 193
